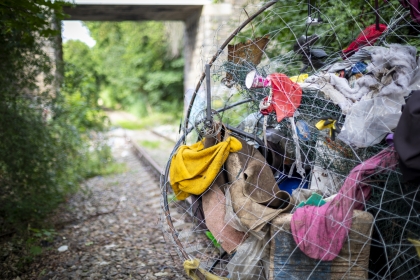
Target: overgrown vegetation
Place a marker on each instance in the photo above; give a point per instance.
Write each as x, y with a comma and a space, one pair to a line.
50, 120
48, 124
343, 22
132, 65
148, 121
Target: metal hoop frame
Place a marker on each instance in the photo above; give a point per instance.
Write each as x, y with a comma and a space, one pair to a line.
164, 179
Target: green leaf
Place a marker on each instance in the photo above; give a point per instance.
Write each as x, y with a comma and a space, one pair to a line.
213, 239
35, 250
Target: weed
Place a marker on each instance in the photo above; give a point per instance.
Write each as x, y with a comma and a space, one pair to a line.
171, 197
150, 144
151, 120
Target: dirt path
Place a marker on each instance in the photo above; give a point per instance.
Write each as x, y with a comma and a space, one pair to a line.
115, 233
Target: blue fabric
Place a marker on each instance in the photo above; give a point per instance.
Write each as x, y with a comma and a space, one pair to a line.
359, 67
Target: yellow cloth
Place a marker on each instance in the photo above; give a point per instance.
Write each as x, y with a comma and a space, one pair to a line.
194, 168
416, 244
299, 78
191, 266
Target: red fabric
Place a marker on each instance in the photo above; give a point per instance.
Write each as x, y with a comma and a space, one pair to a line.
321, 231
286, 96
366, 38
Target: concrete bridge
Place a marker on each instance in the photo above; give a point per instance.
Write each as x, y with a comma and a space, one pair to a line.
114, 10
202, 20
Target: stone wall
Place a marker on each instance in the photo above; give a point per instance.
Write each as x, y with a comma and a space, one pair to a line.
204, 34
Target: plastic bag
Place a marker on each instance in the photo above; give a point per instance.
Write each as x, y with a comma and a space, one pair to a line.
370, 120
251, 259
300, 195
324, 180
252, 123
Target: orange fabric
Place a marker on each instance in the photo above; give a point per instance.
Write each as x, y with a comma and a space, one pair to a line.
286, 96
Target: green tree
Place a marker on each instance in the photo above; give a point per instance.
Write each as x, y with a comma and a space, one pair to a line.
81, 87
44, 131
285, 22
342, 21
32, 174
140, 75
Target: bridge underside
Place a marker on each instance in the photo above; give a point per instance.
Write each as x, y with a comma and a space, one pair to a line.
131, 12
201, 19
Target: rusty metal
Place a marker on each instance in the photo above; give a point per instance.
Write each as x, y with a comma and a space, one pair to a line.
143, 155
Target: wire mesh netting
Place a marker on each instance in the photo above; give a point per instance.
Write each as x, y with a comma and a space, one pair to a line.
290, 171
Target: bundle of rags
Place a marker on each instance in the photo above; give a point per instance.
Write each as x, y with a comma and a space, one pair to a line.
256, 197
288, 262
321, 231
196, 169
193, 168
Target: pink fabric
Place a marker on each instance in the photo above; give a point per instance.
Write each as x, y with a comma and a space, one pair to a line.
321, 231
214, 206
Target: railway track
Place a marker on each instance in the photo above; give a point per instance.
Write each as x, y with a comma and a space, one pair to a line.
142, 155
145, 156
176, 215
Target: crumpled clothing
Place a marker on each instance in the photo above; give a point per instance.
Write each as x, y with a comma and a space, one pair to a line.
191, 267
214, 206
321, 231
193, 168
256, 198
330, 92
362, 86
233, 220
286, 97
407, 139
367, 37
378, 96
395, 63
391, 68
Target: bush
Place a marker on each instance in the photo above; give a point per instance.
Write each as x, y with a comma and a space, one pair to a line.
45, 133
137, 72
